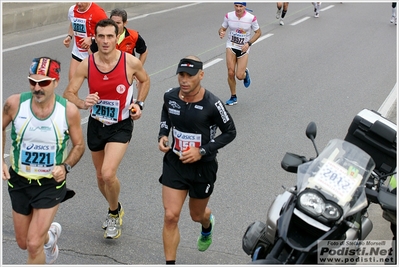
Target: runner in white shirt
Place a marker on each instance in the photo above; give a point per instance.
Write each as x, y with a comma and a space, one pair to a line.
241, 23
316, 6
281, 13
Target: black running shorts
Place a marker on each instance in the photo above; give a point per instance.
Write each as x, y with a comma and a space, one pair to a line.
76, 58
34, 194
237, 52
198, 177
98, 134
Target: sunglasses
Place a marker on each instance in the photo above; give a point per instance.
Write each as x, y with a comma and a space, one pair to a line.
42, 83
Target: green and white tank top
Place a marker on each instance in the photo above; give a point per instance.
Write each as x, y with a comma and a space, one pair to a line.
38, 144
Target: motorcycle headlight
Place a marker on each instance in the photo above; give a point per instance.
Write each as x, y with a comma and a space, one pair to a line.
332, 211
314, 204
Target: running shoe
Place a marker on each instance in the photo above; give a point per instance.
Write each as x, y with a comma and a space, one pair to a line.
247, 79
392, 19
316, 15
121, 213
105, 223
281, 22
232, 101
113, 230
278, 13
52, 251
205, 239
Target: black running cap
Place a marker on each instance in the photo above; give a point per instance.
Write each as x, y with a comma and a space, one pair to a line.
189, 65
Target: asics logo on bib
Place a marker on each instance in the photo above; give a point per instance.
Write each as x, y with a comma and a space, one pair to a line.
79, 20
186, 137
37, 147
108, 103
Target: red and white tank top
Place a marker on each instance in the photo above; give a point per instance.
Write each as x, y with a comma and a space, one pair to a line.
114, 90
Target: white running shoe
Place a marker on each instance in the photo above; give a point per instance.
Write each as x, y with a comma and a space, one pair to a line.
316, 15
278, 13
281, 22
52, 251
113, 230
392, 19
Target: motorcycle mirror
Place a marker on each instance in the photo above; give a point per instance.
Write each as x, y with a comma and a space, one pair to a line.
311, 131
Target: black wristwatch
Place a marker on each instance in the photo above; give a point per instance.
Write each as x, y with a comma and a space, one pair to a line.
202, 151
140, 103
68, 167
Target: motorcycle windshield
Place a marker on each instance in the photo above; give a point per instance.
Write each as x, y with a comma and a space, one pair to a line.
339, 173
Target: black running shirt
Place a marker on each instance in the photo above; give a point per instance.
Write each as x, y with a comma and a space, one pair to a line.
196, 124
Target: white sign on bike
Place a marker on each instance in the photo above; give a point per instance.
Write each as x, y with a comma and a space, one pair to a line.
334, 179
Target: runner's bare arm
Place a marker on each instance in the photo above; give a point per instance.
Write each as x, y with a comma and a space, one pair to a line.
78, 145
9, 111
140, 73
76, 134
71, 92
256, 36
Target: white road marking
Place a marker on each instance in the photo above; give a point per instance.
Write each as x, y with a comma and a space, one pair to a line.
299, 21
326, 8
213, 62
263, 37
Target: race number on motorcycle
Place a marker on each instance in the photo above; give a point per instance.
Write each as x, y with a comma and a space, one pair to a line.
337, 180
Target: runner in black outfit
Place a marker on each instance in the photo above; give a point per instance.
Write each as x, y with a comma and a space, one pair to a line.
193, 114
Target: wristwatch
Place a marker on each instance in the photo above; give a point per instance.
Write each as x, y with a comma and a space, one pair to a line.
140, 103
202, 151
68, 167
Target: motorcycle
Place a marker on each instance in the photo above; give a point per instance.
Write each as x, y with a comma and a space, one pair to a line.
329, 202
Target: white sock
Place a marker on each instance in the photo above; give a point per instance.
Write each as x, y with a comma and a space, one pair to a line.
50, 240
394, 12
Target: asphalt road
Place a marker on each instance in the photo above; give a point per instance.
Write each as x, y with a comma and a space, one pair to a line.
324, 69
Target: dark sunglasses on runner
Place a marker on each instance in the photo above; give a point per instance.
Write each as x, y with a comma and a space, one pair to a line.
42, 83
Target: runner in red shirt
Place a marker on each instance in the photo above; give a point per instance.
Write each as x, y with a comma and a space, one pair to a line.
83, 18
110, 73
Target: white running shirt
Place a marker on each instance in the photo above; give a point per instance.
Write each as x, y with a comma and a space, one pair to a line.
240, 29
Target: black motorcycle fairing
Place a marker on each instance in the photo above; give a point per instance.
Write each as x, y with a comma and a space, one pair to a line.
298, 241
